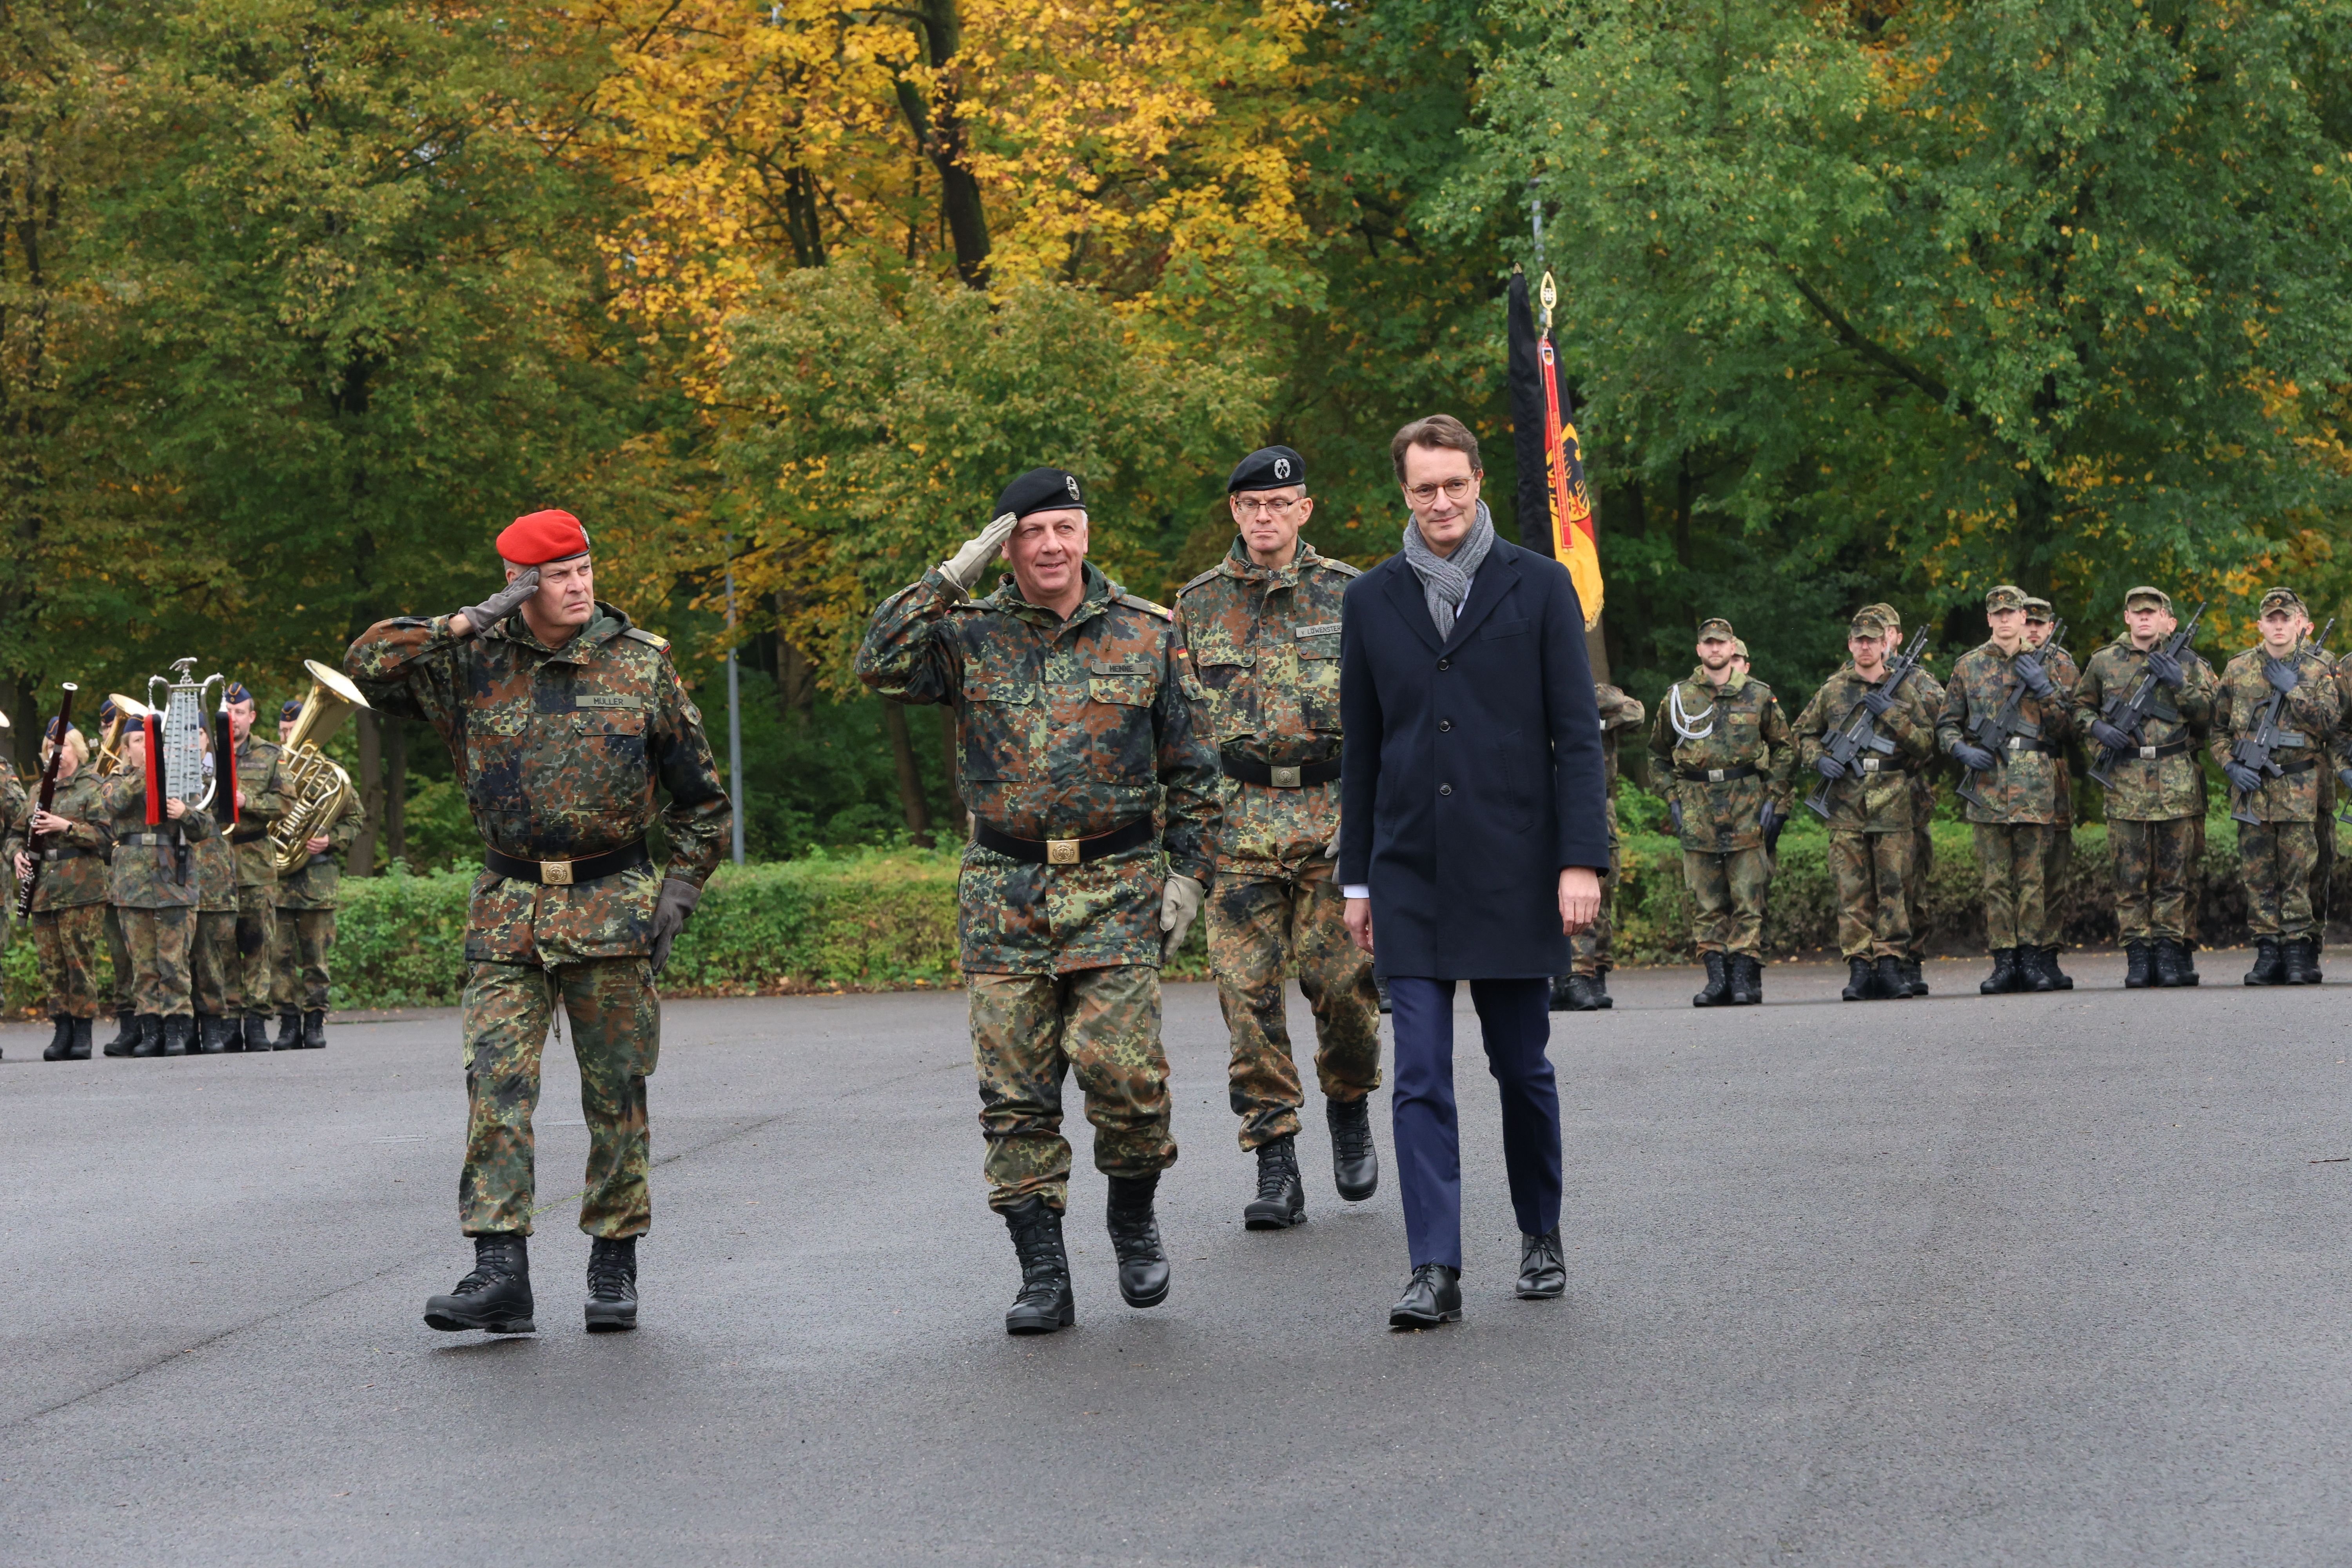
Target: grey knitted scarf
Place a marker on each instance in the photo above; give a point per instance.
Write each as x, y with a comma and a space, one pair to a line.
1445, 579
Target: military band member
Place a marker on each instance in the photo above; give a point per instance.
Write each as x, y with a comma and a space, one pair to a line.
298, 963
263, 796
219, 999
1872, 824
563, 721
153, 884
2155, 789
2278, 808
1073, 727
1721, 738
2016, 808
1261, 635
126, 1016
2040, 621
70, 901
1920, 866
1585, 987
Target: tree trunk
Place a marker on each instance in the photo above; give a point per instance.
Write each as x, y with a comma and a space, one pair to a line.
370, 784
1596, 651
796, 681
910, 779
938, 132
395, 794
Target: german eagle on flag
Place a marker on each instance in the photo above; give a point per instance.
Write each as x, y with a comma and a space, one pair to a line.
1551, 494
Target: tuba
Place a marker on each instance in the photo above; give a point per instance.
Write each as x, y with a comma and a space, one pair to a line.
108, 760
187, 734
322, 791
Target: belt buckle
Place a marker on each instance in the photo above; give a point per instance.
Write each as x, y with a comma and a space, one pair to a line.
1283, 778
1061, 852
1870, 764
555, 873
2147, 753
1715, 775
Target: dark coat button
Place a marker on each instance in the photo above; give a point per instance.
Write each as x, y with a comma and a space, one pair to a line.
1445, 789
1445, 664
1444, 724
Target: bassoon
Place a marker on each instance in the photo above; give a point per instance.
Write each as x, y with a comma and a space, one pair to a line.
31, 879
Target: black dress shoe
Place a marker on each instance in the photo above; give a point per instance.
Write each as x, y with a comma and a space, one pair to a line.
495, 1298
1433, 1296
1135, 1237
611, 1284
1355, 1163
1543, 1272
1045, 1302
1281, 1200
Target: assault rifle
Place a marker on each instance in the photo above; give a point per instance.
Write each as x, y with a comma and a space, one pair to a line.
1991, 731
2254, 750
31, 879
1859, 733
2130, 714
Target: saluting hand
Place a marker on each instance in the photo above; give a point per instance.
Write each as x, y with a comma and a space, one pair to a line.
475, 619
964, 567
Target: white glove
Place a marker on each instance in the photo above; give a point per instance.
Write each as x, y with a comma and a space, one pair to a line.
964, 567
1180, 906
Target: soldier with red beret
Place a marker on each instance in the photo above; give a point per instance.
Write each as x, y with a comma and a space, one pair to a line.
563, 721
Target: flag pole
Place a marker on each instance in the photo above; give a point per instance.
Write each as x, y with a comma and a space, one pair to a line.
734, 712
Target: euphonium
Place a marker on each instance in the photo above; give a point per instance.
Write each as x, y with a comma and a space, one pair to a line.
108, 760
322, 791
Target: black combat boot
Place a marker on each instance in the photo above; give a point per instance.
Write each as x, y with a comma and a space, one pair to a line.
2004, 977
1562, 999
611, 1284
495, 1298
290, 1032
2299, 957
61, 1043
149, 1042
1045, 1302
83, 1036
1747, 979
1281, 1200
1135, 1237
126, 1034
1602, 1000
1718, 982
1433, 1296
1574, 993
1890, 979
1355, 1163
1861, 981
2171, 963
2270, 966
214, 1035
2032, 969
256, 1030
1914, 977
1543, 1273
2060, 979
314, 1030
179, 1033
2138, 966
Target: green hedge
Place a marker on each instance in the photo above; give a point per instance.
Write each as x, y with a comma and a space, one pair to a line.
884, 920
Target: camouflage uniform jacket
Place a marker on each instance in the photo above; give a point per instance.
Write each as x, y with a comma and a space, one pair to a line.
561, 752
312, 885
2068, 675
1619, 713
1746, 730
148, 875
2311, 710
12, 793
261, 776
1069, 728
77, 877
2149, 789
1873, 800
1923, 780
1261, 670
2023, 788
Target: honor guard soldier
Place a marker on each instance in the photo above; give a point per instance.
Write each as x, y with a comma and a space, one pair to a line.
1585, 987
298, 961
1920, 866
1261, 635
563, 721
2275, 715
2005, 719
2155, 788
2040, 621
70, 901
1872, 821
263, 796
153, 887
1722, 738
1082, 768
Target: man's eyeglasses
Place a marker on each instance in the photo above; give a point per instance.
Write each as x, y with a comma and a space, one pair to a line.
1264, 506
1455, 490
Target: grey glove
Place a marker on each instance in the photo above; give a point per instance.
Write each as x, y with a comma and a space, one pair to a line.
1829, 767
677, 901
1180, 906
2246, 780
964, 567
1976, 758
1880, 702
2036, 679
2165, 667
481, 618
2107, 735
1332, 850
1674, 810
1770, 822
2281, 675
2344, 777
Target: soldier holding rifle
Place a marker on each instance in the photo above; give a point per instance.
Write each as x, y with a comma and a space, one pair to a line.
2041, 623
2144, 702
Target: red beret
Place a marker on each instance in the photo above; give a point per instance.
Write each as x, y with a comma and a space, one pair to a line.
543, 537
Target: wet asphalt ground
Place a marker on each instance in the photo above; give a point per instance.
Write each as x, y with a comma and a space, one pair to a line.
2041, 1280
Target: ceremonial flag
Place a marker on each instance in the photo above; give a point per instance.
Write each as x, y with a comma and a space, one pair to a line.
1554, 507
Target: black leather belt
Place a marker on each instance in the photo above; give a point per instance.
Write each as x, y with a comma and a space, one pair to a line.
2027, 744
1881, 767
1249, 770
1064, 851
247, 833
63, 852
2287, 770
1716, 775
563, 873
2155, 754
154, 840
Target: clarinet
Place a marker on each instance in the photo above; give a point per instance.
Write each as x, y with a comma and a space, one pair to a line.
31, 879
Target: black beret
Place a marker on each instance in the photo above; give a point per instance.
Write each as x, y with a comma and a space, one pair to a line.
1268, 469
1040, 489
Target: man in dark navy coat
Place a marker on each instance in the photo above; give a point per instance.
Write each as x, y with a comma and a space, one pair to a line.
1473, 833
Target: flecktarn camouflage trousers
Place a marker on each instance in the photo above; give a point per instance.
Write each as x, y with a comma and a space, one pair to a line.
1873, 871
2013, 858
2277, 861
615, 1022
1727, 894
218, 976
159, 942
1027, 1032
2153, 863
257, 938
1256, 925
297, 963
119, 951
67, 941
